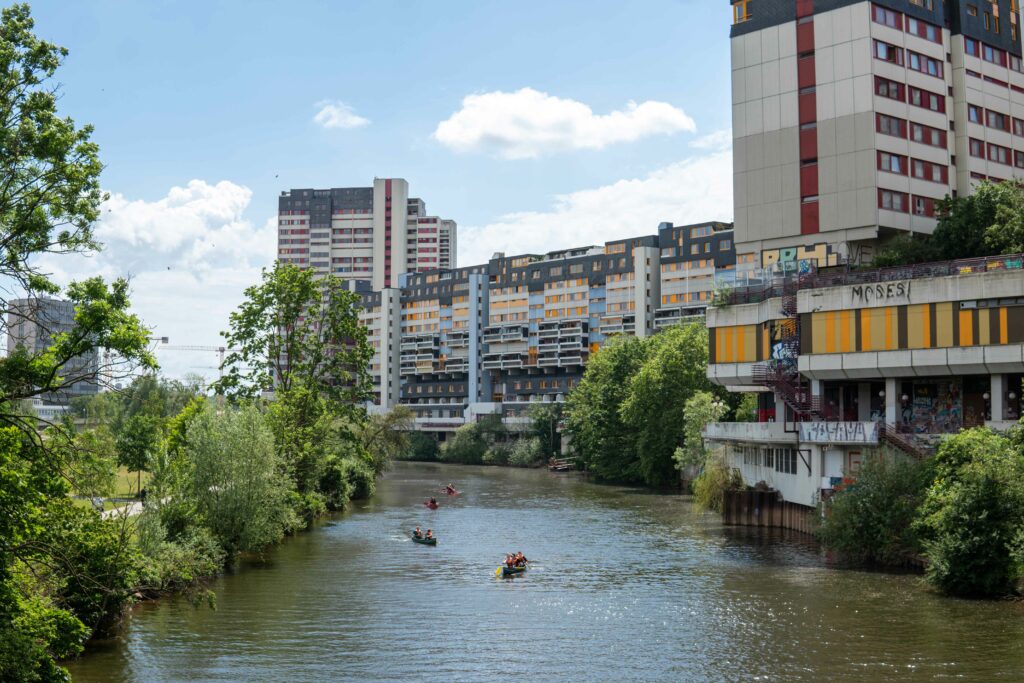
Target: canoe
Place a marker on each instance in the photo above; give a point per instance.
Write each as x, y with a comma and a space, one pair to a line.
425, 541
432, 507
506, 571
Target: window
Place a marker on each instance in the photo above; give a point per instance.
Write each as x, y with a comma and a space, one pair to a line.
1018, 159
924, 30
890, 89
888, 53
694, 248
924, 64
923, 206
998, 154
972, 10
892, 201
973, 113
993, 54
725, 245
927, 4
893, 163
977, 148
924, 170
886, 16
994, 119
890, 125
741, 11
927, 100
702, 231
576, 268
785, 460
971, 47
927, 135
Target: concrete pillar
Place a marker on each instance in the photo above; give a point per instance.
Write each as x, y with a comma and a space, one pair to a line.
780, 409
997, 394
892, 400
864, 401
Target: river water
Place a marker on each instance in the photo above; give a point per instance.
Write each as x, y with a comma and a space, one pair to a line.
625, 585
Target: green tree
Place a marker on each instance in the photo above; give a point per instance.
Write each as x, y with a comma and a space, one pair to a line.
137, 444
236, 481
655, 406
600, 438
298, 327
872, 520
972, 517
385, 436
545, 426
987, 222
700, 409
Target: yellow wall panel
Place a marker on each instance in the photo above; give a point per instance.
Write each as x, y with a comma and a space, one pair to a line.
918, 324
944, 325
966, 329
846, 332
818, 332
984, 326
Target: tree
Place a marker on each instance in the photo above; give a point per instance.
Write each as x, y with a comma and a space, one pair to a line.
600, 439
386, 436
656, 405
545, 419
298, 327
63, 571
871, 521
987, 222
236, 481
137, 443
700, 409
973, 516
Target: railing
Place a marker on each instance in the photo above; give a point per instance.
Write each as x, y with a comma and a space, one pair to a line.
904, 440
910, 272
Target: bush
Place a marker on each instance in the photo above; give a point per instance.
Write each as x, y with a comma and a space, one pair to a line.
973, 516
423, 447
175, 565
711, 484
308, 506
526, 452
871, 521
497, 454
466, 447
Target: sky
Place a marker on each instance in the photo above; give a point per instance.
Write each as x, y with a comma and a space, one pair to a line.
536, 126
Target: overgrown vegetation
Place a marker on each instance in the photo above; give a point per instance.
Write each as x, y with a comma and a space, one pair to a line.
988, 222
221, 479
962, 511
872, 521
627, 416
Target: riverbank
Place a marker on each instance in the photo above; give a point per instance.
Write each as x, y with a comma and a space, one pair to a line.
686, 598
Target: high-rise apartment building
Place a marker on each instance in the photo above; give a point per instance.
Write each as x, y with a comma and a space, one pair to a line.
851, 118
32, 323
363, 233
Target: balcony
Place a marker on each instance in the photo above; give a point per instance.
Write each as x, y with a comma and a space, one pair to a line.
492, 362
512, 361
548, 360
456, 365
547, 330
576, 345
749, 432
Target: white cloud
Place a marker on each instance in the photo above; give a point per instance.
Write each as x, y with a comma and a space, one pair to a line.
528, 123
336, 114
189, 256
690, 191
718, 140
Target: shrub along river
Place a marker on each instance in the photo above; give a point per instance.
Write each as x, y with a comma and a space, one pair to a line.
624, 585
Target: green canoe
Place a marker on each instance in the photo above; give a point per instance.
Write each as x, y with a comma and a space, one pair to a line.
423, 540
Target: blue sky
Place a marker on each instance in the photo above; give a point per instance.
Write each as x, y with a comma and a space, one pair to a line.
218, 100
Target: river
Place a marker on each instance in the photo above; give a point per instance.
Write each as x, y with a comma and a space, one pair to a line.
625, 585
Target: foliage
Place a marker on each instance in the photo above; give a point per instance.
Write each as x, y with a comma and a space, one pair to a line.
472, 442
973, 516
297, 327
600, 438
89, 461
137, 442
988, 222
626, 417
236, 483
700, 409
746, 409
386, 436
527, 452
423, 446
711, 484
871, 521
544, 427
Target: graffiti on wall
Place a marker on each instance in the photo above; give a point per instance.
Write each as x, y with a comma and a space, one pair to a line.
800, 259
